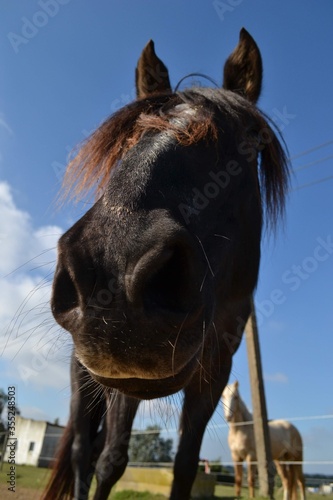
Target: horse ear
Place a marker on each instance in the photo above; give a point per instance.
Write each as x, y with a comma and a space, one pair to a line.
243, 68
236, 384
151, 74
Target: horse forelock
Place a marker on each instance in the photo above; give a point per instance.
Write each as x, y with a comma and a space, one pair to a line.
190, 116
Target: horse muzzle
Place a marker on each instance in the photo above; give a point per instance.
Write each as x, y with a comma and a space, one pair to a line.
149, 324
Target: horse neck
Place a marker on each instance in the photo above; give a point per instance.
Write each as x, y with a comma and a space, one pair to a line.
242, 414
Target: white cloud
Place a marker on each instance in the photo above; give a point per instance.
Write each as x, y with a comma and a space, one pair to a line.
4, 124
276, 326
34, 413
32, 346
277, 377
20, 241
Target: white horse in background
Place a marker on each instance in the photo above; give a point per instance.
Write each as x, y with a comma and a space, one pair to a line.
286, 446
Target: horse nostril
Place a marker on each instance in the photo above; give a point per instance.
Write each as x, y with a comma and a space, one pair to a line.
164, 279
64, 296
167, 286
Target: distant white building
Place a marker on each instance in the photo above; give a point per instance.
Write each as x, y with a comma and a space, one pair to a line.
326, 489
36, 442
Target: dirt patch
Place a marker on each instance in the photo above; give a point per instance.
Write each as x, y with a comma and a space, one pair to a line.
19, 494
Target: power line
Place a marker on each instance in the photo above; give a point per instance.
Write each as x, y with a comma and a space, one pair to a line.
312, 164
303, 462
289, 419
213, 462
319, 181
308, 151
212, 427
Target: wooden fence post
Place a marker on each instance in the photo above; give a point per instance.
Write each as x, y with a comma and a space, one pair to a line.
261, 431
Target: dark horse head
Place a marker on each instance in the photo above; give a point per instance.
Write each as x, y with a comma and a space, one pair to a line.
170, 251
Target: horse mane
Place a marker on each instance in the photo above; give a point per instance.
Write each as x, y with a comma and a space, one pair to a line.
91, 167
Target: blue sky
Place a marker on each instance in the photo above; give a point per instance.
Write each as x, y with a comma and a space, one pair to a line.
65, 66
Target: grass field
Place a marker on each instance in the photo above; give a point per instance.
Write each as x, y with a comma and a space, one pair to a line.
30, 482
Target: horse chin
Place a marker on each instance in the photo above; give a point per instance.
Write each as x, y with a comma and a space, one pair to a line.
148, 388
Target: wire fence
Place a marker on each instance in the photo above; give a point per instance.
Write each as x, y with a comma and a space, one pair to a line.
174, 431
